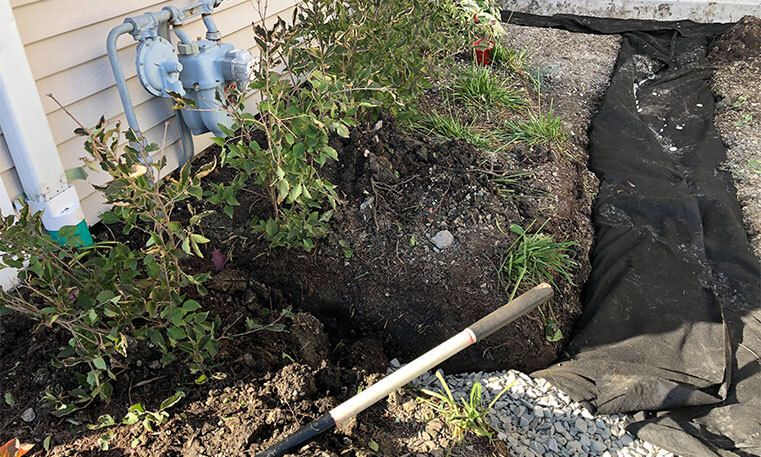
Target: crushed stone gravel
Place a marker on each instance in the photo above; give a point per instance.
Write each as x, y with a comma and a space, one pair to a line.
536, 419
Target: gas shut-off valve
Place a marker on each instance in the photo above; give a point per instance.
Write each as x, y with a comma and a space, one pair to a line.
198, 70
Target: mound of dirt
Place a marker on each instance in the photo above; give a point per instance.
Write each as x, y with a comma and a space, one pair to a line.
741, 42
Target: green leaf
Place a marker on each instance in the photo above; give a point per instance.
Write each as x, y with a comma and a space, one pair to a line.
76, 174
9, 399
331, 152
171, 401
196, 191
99, 363
103, 421
186, 245
190, 306
341, 130
271, 228
551, 331
200, 239
106, 296
298, 149
176, 333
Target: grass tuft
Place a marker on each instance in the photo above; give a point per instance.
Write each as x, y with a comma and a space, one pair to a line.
478, 87
452, 128
465, 416
536, 257
545, 129
513, 183
513, 59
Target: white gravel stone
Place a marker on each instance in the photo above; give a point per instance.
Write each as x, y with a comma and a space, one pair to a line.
443, 239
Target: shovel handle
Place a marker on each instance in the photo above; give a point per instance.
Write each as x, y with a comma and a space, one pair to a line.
380, 390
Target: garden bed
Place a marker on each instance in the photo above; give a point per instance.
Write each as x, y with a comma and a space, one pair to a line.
387, 283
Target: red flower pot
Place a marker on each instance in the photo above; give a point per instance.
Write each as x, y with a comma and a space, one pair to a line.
484, 50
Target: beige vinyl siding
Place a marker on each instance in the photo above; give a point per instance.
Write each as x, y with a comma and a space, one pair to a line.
65, 46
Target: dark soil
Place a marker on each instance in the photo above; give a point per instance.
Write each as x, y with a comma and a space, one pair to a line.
399, 190
743, 41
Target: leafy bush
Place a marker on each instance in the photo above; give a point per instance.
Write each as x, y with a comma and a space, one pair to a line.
284, 146
374, 43
112, 295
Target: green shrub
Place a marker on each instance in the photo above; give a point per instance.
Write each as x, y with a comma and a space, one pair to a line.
374, 43
112, 295
284, 146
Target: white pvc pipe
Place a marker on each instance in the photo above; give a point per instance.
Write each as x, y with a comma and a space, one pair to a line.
27, 133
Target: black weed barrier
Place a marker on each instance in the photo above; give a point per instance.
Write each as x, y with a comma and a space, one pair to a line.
672, 312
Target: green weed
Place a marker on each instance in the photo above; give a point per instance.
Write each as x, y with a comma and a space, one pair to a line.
536, 257
542, 129
465, 416
511, 58
452, 128
477, 87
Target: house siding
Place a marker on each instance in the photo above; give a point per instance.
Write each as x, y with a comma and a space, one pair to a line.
64, 41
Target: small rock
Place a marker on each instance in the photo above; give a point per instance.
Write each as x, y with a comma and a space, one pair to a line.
443, 239
581, 425
28, 415
585, 441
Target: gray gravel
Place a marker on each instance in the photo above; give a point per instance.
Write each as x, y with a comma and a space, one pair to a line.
536, 419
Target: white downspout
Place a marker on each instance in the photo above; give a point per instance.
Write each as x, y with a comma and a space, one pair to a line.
27, 133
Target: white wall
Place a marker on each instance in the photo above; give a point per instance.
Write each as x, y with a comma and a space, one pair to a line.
662, 10
65, 44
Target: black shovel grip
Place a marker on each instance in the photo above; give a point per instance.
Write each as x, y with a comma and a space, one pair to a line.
302, 436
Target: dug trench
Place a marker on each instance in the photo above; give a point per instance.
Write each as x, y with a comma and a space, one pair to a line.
378, 288
381, 273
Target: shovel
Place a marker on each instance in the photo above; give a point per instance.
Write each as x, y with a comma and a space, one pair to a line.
380, 390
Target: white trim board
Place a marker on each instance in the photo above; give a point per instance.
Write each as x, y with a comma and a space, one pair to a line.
661, 10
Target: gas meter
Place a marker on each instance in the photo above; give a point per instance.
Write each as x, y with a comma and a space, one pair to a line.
198, 70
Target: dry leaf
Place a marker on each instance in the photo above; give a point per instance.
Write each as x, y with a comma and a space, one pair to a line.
14, 448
